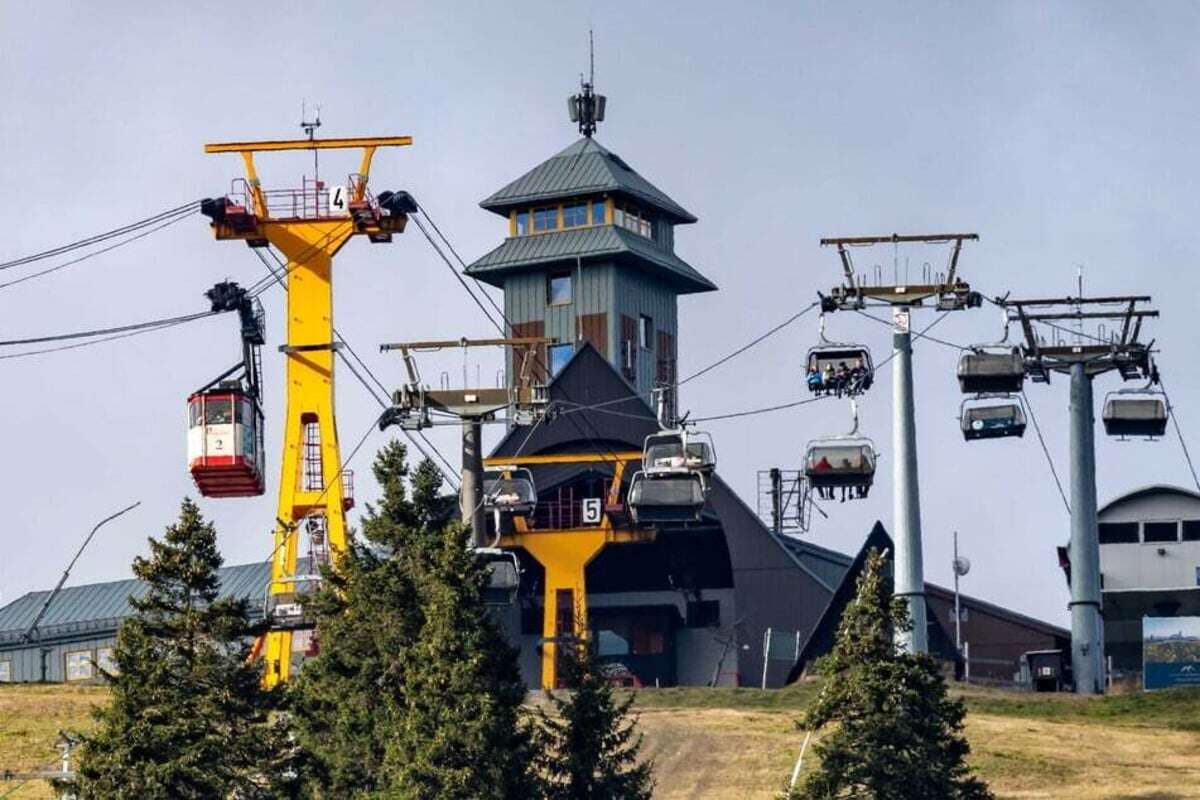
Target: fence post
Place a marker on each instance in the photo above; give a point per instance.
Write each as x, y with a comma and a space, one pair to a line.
966, 662
766, 655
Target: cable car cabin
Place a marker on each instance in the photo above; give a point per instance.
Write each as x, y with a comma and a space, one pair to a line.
666, 499
982, 372
678, 452
832, 464
992, 421
1133, 415
509, 491
504, 575
225, 442
841, 370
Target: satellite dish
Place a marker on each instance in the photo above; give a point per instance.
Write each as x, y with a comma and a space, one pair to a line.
962, 565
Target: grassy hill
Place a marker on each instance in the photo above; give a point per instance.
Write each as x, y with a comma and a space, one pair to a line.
742, 743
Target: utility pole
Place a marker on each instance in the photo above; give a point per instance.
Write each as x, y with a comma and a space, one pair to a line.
471, 496
1117, 349
947, 292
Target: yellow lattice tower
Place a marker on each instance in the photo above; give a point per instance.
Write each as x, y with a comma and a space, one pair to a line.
309, 226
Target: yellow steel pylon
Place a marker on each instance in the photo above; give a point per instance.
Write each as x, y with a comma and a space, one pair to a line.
309, 226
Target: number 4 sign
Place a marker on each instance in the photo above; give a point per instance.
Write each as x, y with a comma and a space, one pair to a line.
591, 511
337, 200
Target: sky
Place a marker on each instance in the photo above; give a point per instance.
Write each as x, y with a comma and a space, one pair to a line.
1065, 134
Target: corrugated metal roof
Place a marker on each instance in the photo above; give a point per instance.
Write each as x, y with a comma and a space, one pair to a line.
97, 606
599, 241
583, 168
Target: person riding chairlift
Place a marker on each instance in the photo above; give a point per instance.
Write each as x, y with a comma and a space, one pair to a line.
815, 383
827, 379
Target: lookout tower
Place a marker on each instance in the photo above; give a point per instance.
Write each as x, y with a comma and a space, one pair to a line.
590, 256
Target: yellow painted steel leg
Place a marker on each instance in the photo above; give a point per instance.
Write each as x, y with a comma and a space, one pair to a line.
565, 557
309, 247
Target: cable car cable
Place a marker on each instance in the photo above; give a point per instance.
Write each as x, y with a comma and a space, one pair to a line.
87, 343
750, 344
86, 256
186, 208
1179, 434
1046, 450
154, 323
370, 390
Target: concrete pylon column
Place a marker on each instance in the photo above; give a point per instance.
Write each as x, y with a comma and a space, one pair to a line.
471, 494
906, 496
1087, 639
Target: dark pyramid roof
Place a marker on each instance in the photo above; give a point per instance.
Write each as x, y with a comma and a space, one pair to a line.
602, 241
583, 168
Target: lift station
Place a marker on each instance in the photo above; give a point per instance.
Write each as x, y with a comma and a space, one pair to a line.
309, 225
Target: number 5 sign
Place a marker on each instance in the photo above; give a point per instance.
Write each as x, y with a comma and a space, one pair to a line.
337, 200
591, 511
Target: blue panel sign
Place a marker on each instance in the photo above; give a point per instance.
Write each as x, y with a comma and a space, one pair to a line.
1170, 652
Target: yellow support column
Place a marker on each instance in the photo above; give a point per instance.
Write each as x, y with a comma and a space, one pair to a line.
565, 554
310, 237
310, 247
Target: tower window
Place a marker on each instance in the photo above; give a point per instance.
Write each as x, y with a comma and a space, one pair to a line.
575, 216
631, 218
560, 354
522, 223
545, 219
558, 289
598, 213
645, 332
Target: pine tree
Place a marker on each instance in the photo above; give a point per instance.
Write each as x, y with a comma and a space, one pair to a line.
590, 745
188, 717
898, 735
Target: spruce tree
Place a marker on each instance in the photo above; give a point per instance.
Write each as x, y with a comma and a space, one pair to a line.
188, 717
415, 693
896, 734
590, 745
460, 734
368, 614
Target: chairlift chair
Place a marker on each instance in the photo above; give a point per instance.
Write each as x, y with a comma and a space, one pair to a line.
667, 498
841, 461
509, 491
991, 417
504, 575
849, 364
1135, 412
678, 452
991, 369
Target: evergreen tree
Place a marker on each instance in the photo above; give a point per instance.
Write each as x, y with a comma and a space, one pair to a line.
460, 732
415, 693
188, 717
590, 745
343, 703
898, 735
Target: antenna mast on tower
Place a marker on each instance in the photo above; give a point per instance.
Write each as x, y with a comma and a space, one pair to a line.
587, 107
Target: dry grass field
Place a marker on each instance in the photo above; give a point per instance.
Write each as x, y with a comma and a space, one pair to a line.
742, 743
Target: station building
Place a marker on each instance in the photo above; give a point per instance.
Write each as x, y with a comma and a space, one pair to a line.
1149, 566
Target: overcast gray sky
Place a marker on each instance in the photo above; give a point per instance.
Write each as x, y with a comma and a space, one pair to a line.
1064, 133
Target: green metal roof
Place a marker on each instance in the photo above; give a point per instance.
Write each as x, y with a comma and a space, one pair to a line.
598, 241
100, 607
583, 168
